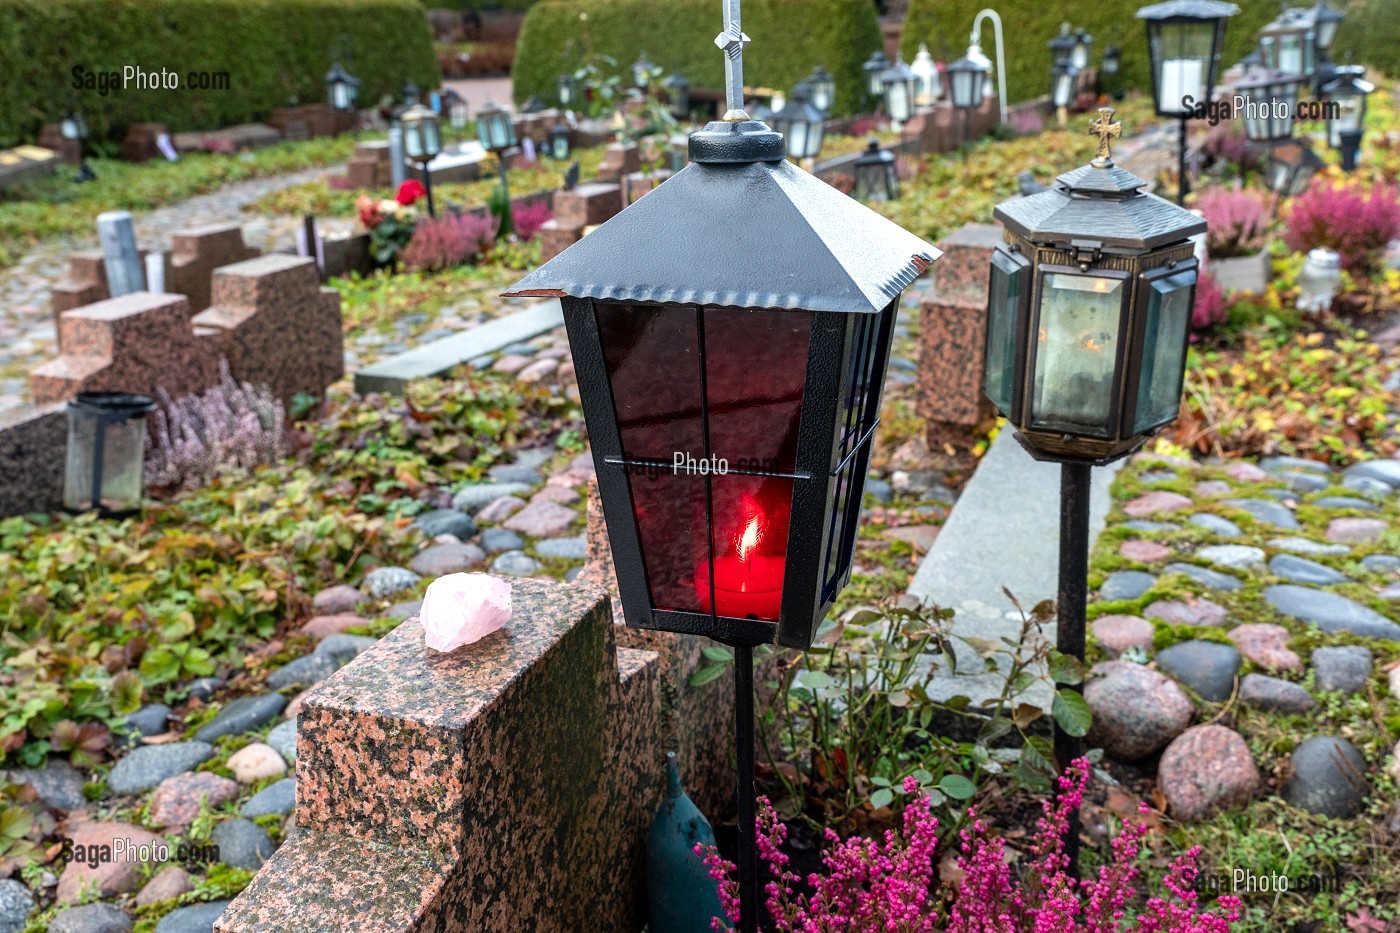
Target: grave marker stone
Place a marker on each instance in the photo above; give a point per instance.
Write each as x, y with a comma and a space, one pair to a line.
118, 238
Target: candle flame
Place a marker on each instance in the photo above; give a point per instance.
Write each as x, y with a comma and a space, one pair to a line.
749, 539
1090, 344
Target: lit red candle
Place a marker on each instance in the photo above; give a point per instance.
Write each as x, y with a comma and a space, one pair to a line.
747, 583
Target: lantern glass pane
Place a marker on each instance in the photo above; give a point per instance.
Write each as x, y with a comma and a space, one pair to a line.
119, 470
897, 100
1349, 112
1004, 299
1290, 53
1182, 53
1326, 33
413, 139
1076, 353
560, 145
340, 95
796, 133
1168, 317
432, 138
1064, 85
963, 87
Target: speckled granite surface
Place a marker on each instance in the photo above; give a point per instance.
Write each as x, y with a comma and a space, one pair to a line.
952, 333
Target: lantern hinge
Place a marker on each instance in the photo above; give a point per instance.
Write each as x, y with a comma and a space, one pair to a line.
1086, 254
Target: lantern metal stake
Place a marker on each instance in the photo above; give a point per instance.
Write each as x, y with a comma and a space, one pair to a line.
759, 340
1088, 318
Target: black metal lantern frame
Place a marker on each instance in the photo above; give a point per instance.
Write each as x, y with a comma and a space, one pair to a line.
422, 141
1289, 43
1062, 46
876, 174
342, 88
678, 96
1270, 101
823, 87
1347, 91
567, 86
1289, 168
1079, 57
874, 69
801, 125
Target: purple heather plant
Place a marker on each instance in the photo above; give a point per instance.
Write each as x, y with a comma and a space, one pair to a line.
1352, 218
448, 240
887, 886
1237, 219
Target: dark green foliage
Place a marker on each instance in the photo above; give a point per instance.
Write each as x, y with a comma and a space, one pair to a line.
273, 51
789, 38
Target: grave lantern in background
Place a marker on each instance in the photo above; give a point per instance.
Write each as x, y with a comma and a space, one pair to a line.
422, 141
928, 85
567, 85
1088, 316
966, 78
73, 126
1112, 60
1079, 57
1348, 90
641, 71
1062, 46
1270, 101
678, 96
730, 380
1107, 78
823, 88
898, 83
1289, 168
1289, 44
411, 93
874, 68
801, 125
1325, 23
1184, 38
342, 89
455, 106
876, 174
1062, 82
106, 452
495, 129
559, 142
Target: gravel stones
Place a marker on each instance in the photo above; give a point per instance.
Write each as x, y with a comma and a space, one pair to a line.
386, 581
1300, 481
151, 719
564, 548
1118, 633
1220, 527
496, 540
177, 800
500, 510
256, 761
1329, 777
1212, 579
1147, 527
1211, 489
1381, 563
1205, 770
304, 671
1194, 611
1261, 691
1280, 465
1234, 556
170, 882
197, 919
323, 626
1136, 710
1271, 513
542, 519
337, 600
1367, 486
1385, 471
91, 918
1356, 530
1341, 669
1154, 502
1242, 471
1305, 546
1126, 584
242, 715
1266, 645
1301, 570
108, 879
515, 564
58, 784
344, 648
242, 843
145, 767
1344, 502
1331, 612
1144, 552
279, 798
16, 904
283, 738
472, 499
442, 559
445, 522
1207, 667
515, 473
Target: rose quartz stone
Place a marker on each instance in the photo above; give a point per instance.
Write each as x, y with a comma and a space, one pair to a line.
1146, 552
1156, 501
461, 608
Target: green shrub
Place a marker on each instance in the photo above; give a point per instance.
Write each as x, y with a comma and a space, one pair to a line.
789, 38
272, 51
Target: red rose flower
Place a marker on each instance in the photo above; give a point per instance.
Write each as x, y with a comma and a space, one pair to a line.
410, 191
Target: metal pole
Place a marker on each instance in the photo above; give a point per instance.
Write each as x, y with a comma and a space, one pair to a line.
1181, 166
428, 188
744, 752
1069, 626
507, 215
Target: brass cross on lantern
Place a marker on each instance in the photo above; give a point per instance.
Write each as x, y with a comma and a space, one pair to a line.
732, 41
1105, 129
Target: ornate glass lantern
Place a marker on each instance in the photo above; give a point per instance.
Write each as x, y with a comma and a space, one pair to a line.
678, 96
1325, 23
1270, 99
1348, 90
898, 82
106, 452
456, 107
876, 174
874, 68
1079, 57
1112, 60
567, 85
965, 82
641, 71
422, 141
559, 142
1319, 280
1289, 43
1289, 168
1062, 46
928, 84
495, 128
342, 89
823, 88
802, 125
1089, 311
1184, 39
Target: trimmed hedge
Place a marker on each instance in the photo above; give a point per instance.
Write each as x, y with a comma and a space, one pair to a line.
1030, 24
789, 38
271, 50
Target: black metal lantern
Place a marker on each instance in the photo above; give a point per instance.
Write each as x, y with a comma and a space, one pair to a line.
342, 89
455, 106
1289, 43
678, 96
1063, 78
1112, 60
106, 452
1346, 95
1184, 39
1062, 46
559, 142
1325, 23
74, 126
1289, 168
876, 174
1079, 57
422, 141
641, 71
567, 85
823, 89
1268, 102
411, 93
495, 128
965, 82
874, 68
898, 83
928, 85
802, 125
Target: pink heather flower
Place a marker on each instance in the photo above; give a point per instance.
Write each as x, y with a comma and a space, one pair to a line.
1355, 220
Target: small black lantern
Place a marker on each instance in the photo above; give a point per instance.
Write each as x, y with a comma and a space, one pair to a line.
1325, 23
1289, 43
342, 89
495, 128
1079, 57
455, 105
74, 126
1112, 60
106, 452
802, 125
567, 85
1345, 96
422, 141
1289, 168
823, 89
874, 68
898, 83
1062, 46
928, 83
678, 96
559, 142
967, 79
1184, 39
412, 94
641, 71
876, 174
1270, 100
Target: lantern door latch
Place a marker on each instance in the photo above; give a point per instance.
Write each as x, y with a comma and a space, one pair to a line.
1085, 254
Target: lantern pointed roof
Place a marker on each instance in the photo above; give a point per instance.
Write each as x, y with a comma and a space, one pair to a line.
1188, 9
744, 234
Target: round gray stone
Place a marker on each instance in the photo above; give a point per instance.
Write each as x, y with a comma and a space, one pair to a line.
572, 573
1367, 486
243, 715
1136, 710
1345, 502
1285, 464
1341, 668
445, 522
496, 540
1220, 527
1212, 579
304, 671
442, 559
1156, 476
344, 647
515, 473
57, 783
197, 919
16, 904
878, 489
204, 688
471, 499
515, 564
1381, 563
386, 581
1385, 471
1207, 667
1300, 481
1301, 570
403, 610
151, 719
519, 349
145, 767
1234, 556
1329, 777
91, 918
566, 548
242, 843
1263, 510
1284, 495
1274, 694
283, 739
1331, 612
1138, 524
1305, 546
279, 798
